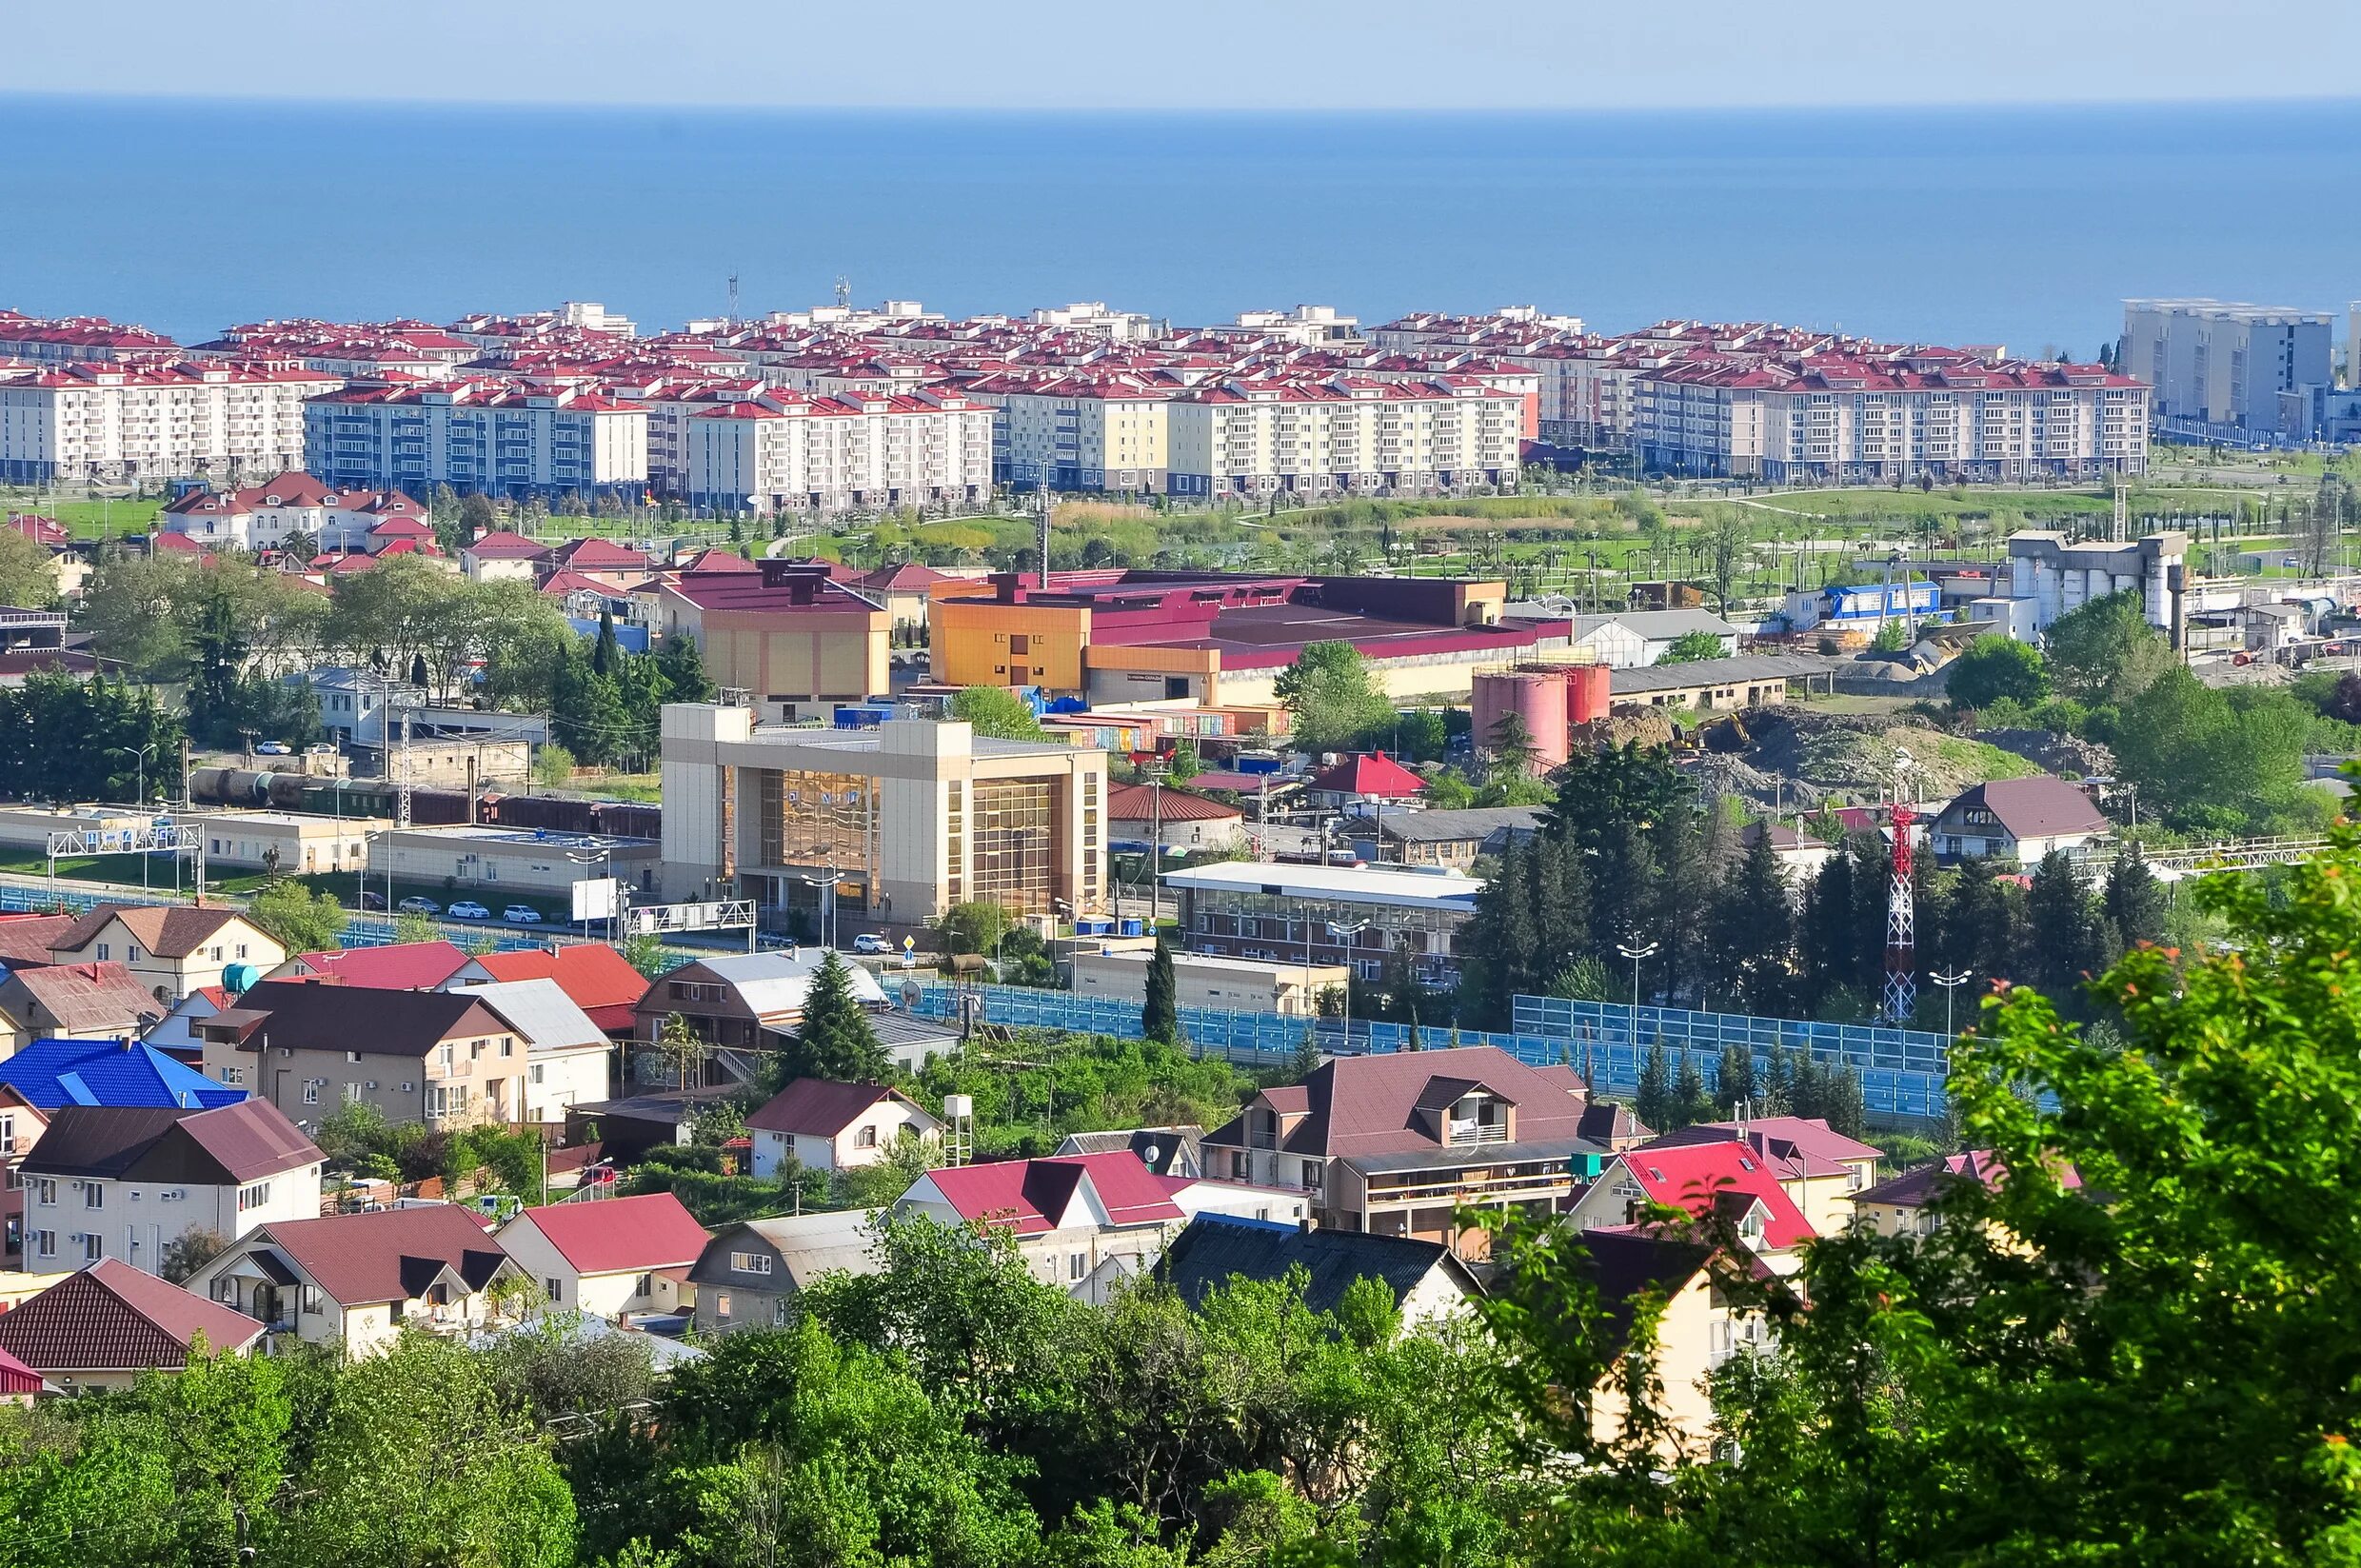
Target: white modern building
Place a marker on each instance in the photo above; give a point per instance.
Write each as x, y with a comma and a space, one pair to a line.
101, 420
266, 516
491, 436
2220, 369
1352, 433
2048, 575
568, 1060
787, 451
1080, 430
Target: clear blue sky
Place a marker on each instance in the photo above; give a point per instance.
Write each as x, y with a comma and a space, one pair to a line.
1193, 53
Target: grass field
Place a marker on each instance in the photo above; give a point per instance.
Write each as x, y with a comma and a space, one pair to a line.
87, 518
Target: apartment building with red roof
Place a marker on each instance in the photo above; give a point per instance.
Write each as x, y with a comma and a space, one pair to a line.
117, 422
806, 452
103, 1326
490, 435
609, 1256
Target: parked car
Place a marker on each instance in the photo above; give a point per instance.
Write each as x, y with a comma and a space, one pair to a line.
418, 906
520, 914
870, 942
469, 910
273, 749
372, 901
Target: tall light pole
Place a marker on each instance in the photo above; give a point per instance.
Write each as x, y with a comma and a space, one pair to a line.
1951, 982
1635, 954
828, 911
1350, 932
590, 858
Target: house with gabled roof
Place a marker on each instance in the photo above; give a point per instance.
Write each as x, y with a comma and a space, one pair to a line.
1726, 1182
102, 1326
49, 1073
829, 1126
1685, 1307
1362, 780
608, 1257
170, 948
396, 966
1425, 1278
568, 1060
598, 978
444, 1058
2016, 821
750, 1273
1085, 1223
355, 1281
502, 557
1395, 1144
1908, 1204
84, 1001
127, 1181
1820, 1169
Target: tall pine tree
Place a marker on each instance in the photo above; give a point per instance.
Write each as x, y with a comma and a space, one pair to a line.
1654, 1103
1159, 1020
835, 1038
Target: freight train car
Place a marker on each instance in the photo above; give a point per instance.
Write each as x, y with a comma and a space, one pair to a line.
249, 789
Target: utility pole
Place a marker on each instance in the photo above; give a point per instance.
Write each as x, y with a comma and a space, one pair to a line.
1045, 467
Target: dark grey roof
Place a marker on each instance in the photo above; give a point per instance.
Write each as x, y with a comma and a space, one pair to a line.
1716, 672
1167, 1151
2039, 807
1476, 823
1215, 1248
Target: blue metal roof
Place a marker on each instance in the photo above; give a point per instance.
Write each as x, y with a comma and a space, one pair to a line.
50, 1073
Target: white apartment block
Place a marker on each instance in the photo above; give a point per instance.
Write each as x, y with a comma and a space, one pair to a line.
1081, 432
786, 452
1955, 418
1351, 435
1094, 316
2220, 369
491, 436
99, 420
77, 339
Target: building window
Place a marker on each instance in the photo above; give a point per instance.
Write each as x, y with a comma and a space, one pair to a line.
721, 1305
311, 1091
94, 1195
554, 1289
1312, 1174
643, 1286
451, 1056
537, 1070
8, 1134
102, 947
45, 1243
45, 1189
1077, 1265
311, 1298
749, 1263
866, 1138
253, 1196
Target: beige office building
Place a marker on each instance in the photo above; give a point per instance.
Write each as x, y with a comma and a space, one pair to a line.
1201, 980
914, 815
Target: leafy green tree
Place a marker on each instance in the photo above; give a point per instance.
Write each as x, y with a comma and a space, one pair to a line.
835, 1038
298, 919
683, 667
1513, 751
2105, 651
996, 711
1691, 647
1333, 698
1996, 668
976, 926
1185, 764
27, 571
1159, 1020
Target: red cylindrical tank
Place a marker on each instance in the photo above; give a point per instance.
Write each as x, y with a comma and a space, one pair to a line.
1587, 693
1536, 696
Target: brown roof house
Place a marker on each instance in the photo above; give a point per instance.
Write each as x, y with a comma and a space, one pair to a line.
2016, 821
1697, 1308
1393, 1143
1819, 1169
356, 1280
75, 1002
828, 1126
442, 1058
125, 1182
103, 1326
172, 950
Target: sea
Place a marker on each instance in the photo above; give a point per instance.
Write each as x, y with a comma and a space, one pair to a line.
2023, 226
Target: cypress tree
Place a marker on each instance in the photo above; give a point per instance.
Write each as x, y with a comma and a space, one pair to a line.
1736, 1087
1159, 1020
1653, 1104
1690, 1104
835, 1039
2133, 899
605, 653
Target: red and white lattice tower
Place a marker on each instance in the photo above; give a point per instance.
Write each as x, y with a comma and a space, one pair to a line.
1901, 994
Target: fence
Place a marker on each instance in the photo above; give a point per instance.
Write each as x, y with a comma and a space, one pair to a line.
1901, 1070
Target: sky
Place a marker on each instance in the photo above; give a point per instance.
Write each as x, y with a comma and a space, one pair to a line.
1211, 54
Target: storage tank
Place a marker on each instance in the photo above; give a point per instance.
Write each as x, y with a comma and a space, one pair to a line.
1589, 692
1536, 696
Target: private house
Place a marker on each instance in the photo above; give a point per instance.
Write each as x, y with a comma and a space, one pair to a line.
49, 1073
1451, 838
353, 1280
1394, 1144
1820, 1169
568, 1060
27, 939
444, 1058
1425, 1278
749, 1272
1726, 1182
171, 949
1167, 1151
1088, 1221
595, 977
827, 1126
729, 1001
1906, 1205
608, 1257
1702, 1317
124, 1183
83, 1001
397, 966
1362, 783
21, 1125
102, 1326
502, 557
175, 1034
2015, 822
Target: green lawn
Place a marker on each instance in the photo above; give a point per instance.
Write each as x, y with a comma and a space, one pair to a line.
87, 518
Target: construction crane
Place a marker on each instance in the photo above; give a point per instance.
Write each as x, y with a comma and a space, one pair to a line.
1901, 990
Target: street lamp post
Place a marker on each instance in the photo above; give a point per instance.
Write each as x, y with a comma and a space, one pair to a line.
1350, 932
1950, 983
590, 858
1635, 954
828, 911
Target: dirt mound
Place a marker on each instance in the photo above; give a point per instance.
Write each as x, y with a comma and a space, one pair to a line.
1810, 758
1622, 726
2070, 756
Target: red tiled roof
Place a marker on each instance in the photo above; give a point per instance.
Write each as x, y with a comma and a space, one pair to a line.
598, 980
389, 1256
503, 545
1370, 1105
1923, 1184
27, 939
1695, 1177
1137, 802
1033, 1196
1795, 1145
401, 966
714, 559
621, 1235
16, 1377
816, 1107
599, 555
1372, 774
113, 1318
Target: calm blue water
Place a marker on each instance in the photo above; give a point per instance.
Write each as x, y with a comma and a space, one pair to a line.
2024, 225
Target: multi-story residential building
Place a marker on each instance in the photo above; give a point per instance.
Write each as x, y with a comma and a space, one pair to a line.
89, 421
1705, 1309
1395, 1144
785, 453
489, 436
1352, 434
266, 516
1727, 1181
1937, 414
2218, 368
172, 950
77, 340
1293, 913
445, 1058
1082, 430
352, 1281
126, 1182
568, 1060
910, 816
734, 1000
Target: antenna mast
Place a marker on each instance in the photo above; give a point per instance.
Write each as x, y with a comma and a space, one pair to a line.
844, 291
733, 298
1901, 994
1045, 574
